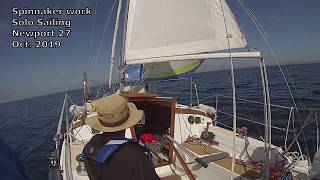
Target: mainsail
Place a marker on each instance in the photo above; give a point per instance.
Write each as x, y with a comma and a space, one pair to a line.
169, 30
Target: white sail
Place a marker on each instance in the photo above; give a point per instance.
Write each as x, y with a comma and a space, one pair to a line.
167, 28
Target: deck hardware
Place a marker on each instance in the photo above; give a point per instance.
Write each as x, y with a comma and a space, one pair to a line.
81, 169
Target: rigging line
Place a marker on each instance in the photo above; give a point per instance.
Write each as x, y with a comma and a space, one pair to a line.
257, 102
306, 123
102, 38
224, 124
266, 34
185, 123
255, 122
234, 105
262, 33
258, 22
251, 116
114, 43
92, 29
142, 78
260, 29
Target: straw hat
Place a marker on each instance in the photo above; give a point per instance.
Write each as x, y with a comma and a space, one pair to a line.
113, 113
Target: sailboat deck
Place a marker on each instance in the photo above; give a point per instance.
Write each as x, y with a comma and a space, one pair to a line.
240, 168
76, 149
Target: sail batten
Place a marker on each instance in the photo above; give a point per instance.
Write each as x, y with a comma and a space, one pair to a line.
170, 28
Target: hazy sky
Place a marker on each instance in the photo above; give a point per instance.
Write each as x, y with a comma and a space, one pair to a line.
292, 26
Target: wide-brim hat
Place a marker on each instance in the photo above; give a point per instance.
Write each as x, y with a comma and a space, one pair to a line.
113, 113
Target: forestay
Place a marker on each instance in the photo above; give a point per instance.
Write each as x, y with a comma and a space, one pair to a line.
160, 29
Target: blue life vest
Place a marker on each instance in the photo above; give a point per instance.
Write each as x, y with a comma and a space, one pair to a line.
107, 150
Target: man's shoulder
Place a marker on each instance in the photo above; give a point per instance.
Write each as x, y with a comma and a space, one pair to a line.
130, 148
131, 153
94, 145
98, 140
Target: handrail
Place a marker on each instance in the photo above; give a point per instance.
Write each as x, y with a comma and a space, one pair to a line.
55, 155
58, 133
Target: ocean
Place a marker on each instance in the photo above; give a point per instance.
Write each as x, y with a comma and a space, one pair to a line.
28, 125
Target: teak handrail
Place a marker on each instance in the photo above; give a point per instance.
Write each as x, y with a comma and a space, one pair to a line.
184, 165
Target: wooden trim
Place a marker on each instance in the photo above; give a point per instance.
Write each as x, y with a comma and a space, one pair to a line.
150, 97
190, 111
138, 95
172, 125
184, 165
78, 124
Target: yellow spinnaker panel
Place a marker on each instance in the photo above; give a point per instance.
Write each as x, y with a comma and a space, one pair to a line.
169, 69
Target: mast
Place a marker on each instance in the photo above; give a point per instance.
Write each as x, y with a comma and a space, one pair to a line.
114, 42
123, 62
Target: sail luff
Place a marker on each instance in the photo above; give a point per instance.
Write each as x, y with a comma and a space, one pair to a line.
123, 59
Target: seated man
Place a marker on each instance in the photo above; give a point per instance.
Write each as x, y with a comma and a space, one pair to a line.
109, 155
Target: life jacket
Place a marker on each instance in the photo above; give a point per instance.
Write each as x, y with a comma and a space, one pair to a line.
107, 150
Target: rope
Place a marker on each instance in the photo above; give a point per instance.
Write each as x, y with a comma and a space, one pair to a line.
141, 79
102, 38
275, 172
92, 29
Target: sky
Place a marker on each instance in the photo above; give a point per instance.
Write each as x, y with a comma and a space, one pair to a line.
292, 27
